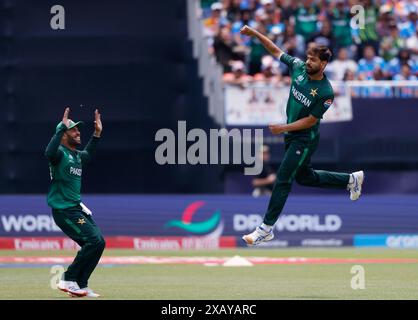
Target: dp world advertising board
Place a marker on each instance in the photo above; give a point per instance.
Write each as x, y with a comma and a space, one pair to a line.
208, 221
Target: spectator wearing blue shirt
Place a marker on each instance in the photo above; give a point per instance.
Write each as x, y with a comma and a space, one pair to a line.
405, 74
407, 28
371, 67
403, 58
246, 19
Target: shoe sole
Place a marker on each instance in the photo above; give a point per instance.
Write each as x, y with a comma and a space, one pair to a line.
360, 186
251, 243
72, 293
78, 295
248, 242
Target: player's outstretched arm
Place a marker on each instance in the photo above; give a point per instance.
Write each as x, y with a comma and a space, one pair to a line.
301, 124
267, 43
52, 151
91, 146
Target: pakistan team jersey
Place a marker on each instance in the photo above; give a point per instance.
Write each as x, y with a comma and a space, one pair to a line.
66, 171
307, 97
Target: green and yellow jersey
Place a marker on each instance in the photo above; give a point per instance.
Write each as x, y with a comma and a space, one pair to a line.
66, 170
307, 97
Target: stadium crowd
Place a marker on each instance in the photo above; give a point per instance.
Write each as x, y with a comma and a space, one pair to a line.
385, 49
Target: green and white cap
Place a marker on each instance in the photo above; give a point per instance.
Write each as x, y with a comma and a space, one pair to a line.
71, 124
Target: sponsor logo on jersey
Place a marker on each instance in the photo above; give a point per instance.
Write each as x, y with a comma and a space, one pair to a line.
299, 79
328, 103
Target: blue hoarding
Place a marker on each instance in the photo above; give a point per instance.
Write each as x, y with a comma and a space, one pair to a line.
305, 221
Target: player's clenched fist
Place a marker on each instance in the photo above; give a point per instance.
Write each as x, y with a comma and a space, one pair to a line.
277, 128
246, 30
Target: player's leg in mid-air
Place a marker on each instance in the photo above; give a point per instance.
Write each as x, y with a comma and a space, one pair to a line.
296, 165
81, 228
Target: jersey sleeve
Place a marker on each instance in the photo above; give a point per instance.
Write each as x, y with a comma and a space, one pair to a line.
52, 151
89, 150
293, 63
322, 106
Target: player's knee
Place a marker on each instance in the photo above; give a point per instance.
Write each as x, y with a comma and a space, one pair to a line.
101, 243
98, 242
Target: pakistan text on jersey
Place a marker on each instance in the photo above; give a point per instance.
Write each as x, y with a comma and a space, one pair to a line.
301, 97
76, 171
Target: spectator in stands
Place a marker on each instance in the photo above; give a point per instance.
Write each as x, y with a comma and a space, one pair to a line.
226, 49
272, 13
238, 75
404, 7
368, 36
306, 19
412, 44
244, 19
324, 37
349, 75
338, 67
371, 67
340, 18
403, 58
407, 28
405, 74
385, 19
391, 45
264, 182
292, 43
270, 72
233, 9
215, 21
288, 8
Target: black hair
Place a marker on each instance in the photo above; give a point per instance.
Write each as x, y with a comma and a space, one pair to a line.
322, 52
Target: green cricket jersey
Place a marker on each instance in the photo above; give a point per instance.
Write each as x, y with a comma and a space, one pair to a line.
341, 28
66, 170
307, 97
306, 21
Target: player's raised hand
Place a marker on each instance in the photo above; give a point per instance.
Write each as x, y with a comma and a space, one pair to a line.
65, 117
247, 31
277, 128
97, 123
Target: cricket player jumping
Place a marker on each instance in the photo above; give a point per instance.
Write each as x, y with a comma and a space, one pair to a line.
311, 95
72, 216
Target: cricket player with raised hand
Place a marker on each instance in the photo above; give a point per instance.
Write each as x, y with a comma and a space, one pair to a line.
311, 95
69, 213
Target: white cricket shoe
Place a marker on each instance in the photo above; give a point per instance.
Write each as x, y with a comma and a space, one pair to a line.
258, 236
91, 293
72, 288
355, 186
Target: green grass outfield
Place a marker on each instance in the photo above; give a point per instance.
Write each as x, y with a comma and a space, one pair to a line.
173, 282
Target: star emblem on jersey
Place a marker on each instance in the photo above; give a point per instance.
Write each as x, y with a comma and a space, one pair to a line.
81, 221
314, 92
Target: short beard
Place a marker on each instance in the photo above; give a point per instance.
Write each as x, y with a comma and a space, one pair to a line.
313, 71
72, 142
